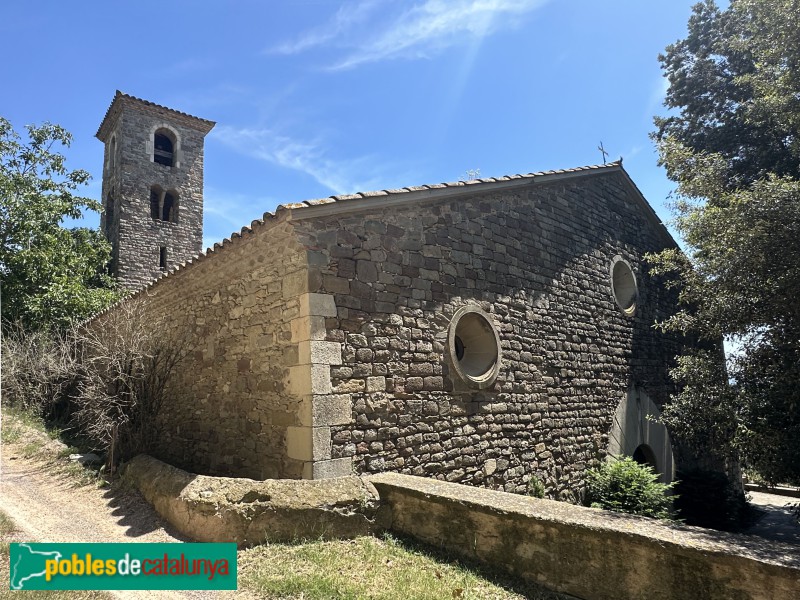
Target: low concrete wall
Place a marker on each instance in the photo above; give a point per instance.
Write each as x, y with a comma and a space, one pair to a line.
248, 512
585, 552
778, 490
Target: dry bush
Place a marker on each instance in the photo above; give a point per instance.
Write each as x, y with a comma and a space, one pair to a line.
127, 364
39, 369
108, 380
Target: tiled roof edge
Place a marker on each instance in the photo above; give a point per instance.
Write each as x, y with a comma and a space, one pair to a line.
205, 125
451, 184
269, 219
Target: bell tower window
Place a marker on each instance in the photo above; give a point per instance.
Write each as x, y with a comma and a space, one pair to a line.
112, 153
155, 202
168, 212
109, 216
163, 205
163, 148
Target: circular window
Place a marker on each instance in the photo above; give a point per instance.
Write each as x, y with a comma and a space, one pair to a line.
623, 286
474, 347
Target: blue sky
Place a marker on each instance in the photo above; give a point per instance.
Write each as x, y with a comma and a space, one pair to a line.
318, 97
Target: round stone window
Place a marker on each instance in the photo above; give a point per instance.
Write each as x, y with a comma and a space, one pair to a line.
623, 286
474, 347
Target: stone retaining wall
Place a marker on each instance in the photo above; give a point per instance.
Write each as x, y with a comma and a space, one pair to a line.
585, 552
588, 553
778, 490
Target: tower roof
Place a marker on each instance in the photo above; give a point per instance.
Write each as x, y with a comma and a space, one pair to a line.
122, 101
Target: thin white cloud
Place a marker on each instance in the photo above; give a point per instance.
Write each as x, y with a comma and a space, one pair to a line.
190, 65
227, 212
348, 16
235, 210
309, 157
631, 153
420, 31
658, 94
436, 24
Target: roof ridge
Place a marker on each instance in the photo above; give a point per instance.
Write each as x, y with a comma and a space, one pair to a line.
449, 184
267, 217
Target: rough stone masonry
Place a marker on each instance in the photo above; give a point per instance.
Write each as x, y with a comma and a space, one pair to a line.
487, 332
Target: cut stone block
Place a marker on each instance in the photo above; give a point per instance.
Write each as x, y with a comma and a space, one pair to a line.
328, 469
298, 443
308, 443
335, 409
304, 380
308, 328
320, 305
320, 353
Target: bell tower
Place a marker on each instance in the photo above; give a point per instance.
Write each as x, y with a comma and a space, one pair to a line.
152, 187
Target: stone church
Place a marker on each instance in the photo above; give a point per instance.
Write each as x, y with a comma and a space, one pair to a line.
486, 332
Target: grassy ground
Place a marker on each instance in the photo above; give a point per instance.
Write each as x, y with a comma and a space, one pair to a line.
35, 439
368, 567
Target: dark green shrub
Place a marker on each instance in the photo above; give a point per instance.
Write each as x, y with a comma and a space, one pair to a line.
623, 485
535, 487
709, 499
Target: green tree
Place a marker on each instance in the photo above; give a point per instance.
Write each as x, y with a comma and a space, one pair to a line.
50, 275
733, 82
732, 145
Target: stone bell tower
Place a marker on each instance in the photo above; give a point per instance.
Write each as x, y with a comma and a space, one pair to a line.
152, 187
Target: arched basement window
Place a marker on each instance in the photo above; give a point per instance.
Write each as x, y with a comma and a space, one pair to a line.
644, 455
163, 148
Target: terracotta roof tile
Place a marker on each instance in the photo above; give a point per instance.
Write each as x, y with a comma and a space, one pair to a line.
307, 204
204, 125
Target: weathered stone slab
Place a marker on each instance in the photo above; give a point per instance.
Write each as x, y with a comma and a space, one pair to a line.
219, 509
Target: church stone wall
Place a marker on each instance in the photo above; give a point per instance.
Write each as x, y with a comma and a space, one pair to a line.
537, 259
228, 408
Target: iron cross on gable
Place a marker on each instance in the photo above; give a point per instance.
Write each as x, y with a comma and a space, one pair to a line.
603, 152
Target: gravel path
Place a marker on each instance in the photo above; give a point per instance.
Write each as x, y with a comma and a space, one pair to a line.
778, 522
48, 507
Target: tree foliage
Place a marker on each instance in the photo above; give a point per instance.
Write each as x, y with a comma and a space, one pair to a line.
50, 274
734, 81
733, 147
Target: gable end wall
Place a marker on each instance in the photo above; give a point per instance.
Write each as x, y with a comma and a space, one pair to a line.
537, 259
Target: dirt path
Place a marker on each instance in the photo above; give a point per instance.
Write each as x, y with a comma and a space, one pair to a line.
48, 507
